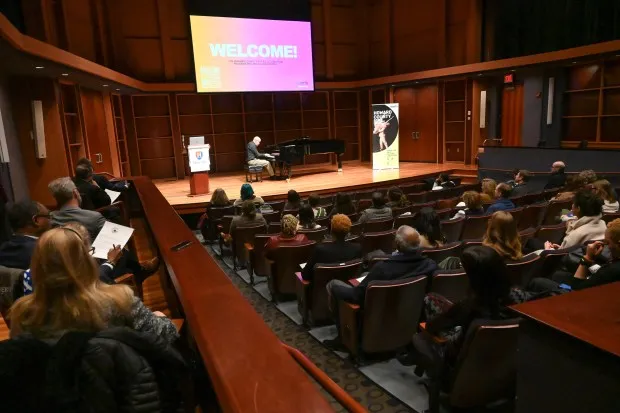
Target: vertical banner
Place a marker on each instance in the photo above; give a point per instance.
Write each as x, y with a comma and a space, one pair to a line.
385, 136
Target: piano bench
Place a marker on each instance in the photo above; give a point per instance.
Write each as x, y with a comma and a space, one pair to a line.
253, 173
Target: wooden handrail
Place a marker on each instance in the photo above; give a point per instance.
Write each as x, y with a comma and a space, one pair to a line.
323, 379
249, 369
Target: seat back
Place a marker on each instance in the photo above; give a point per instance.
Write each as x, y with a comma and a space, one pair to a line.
316, 235
527, 234
372, 241
363, 204
286, 262
520, 272
274, 227
452, 249
259, 264
475, 227
356, 228
378, 225
391, 313
403, 220
413, 188
226, 221
272, 216
324, 222
532, 216
447, 203
550, 193
516, 214
398, 211
554, 211
528, 199
324, 273
354, 217
486, 368
444, 214
277, 205
552, 233
610, 217
451, 284
417, 198
10, 280
418, 207
550, 261
215, 215
453, 228
242, 235
364, 195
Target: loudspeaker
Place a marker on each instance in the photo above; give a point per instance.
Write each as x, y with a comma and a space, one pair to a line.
483, 109
550, 93
38, 129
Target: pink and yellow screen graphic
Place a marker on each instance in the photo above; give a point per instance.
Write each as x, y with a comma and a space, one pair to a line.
250, 55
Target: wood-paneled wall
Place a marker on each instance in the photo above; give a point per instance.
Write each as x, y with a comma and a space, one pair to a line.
353, 39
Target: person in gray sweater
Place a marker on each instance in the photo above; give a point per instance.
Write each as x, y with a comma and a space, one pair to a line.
378, 210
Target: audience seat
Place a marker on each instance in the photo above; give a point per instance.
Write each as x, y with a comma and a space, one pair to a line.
403, 220
312, 295
608, 217
389, 317
277, 205
373, 241
554, 211
363, 204
451, 284
272, 216
453, 228
550, 261
324, 222
11, 287
550, 193
356, 228
520, 272
378, 225
286, 260
447, 203
529, 199
451, 249
223, 228
526, 235
417, 198
413, 188
123, 218
552, 233
532, 216
324, 200
398, 211
293, 212
316, 235
364, 195
475, 227
328, 208
516, 214
240, 237
486, 367
214, 218
354, 217
418, 207
444, 214
257, 264
274, 227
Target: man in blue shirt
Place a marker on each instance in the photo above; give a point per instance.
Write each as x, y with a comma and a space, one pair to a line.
502, 202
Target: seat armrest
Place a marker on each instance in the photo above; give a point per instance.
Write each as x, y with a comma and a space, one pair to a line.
248, 246
349, 326
436, 339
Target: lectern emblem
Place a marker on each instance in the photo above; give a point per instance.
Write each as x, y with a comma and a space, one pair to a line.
199, 155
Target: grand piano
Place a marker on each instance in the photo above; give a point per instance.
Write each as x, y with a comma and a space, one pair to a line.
294, 151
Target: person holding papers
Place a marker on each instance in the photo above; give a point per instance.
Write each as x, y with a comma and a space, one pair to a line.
406, 262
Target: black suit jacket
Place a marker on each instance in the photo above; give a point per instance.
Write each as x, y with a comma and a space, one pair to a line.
395, 268
17, 252
93, 197
331, 253
556, 180
520, 190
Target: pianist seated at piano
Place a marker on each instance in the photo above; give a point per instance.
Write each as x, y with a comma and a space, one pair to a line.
255, 158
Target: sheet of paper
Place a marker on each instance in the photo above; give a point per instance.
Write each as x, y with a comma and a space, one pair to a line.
359, 280
303, 265
110, 235
113, 195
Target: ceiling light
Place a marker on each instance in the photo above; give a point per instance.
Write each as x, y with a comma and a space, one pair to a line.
118, 90
105, 85
574, 63
479, 74
65, 74
39, 67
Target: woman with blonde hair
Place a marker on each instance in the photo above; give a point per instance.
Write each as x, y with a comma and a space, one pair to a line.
288, 236
68, 295
488, 190
603, 189
502, 236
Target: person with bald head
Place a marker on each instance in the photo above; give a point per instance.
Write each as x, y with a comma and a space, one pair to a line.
255, 158
406, 262
558, 177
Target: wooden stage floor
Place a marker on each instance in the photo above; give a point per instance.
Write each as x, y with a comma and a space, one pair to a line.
305, 180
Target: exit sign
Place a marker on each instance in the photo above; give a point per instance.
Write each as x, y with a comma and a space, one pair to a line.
509, 78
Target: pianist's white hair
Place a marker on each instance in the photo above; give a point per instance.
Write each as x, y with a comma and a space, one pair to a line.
256, 139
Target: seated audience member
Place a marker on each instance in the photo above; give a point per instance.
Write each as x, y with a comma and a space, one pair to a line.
587, 207
69, 200
442, 182
219, 198
343, 205
406, 262
557, 179
334, 252
378, 210
472, 203
248, 218
607, 193
502, 201
288, 236
488, 190
69, 296
315, 202
488, 296
589, 273
293, 201
93, 197
427, 223
502, 235
396, 198
247, 194
576, 183
306, 218
521, 186
101, 180
513, 181
29, 220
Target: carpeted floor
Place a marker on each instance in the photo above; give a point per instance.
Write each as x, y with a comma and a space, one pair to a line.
341, 370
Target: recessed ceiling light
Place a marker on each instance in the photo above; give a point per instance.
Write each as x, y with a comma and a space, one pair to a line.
513, 70
105, 85
39, 67
118, 90
574, 63
479, 74
65, 74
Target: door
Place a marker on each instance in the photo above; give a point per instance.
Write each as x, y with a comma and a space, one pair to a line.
97, 131
418, 123
512, 115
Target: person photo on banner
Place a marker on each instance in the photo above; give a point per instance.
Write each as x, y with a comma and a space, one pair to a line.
380, 127
385, 130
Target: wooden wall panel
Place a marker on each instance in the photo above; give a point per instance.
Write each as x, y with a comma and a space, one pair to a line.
79, 28
97, 131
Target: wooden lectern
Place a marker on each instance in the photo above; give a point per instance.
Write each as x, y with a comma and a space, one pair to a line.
199, 165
